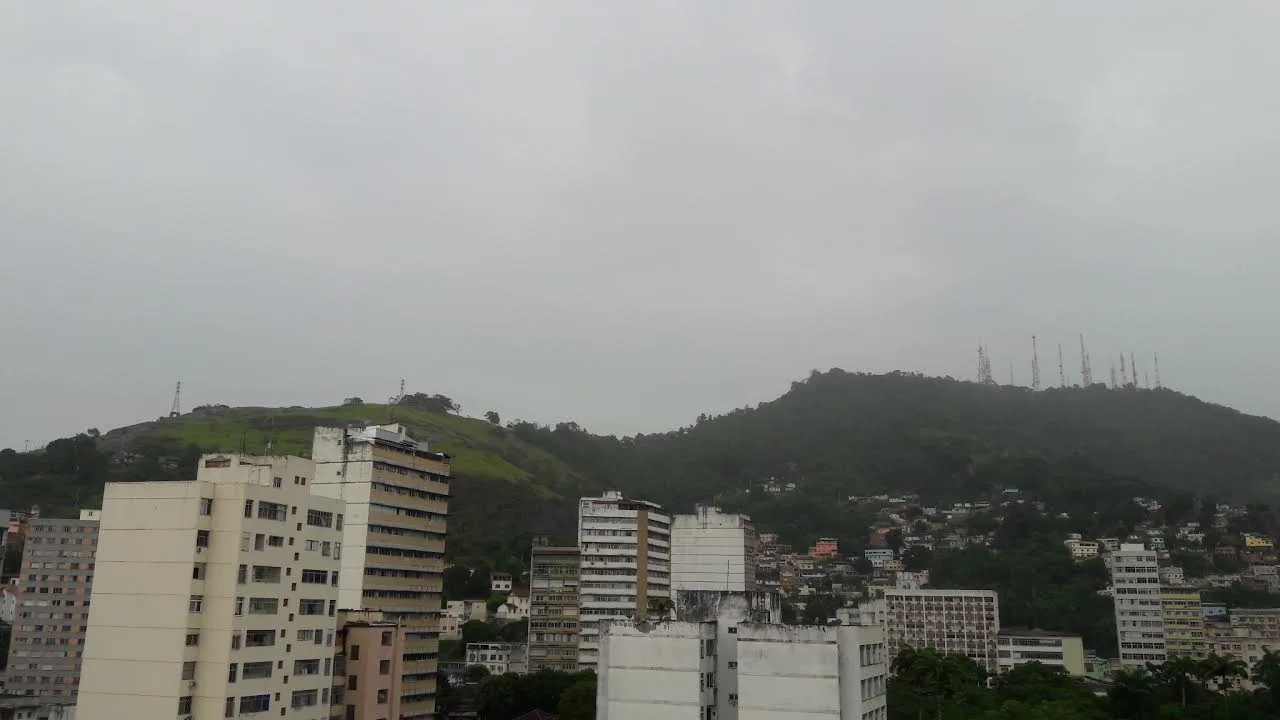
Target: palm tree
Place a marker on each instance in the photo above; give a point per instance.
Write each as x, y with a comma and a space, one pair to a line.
1180, 675
1132, 695
1267, 672
1223, 671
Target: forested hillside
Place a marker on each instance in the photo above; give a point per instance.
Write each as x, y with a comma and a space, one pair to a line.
834, 434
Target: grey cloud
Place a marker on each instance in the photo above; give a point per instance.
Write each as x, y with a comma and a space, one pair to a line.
622, 213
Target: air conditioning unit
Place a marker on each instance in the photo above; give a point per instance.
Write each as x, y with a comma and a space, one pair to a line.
191, 683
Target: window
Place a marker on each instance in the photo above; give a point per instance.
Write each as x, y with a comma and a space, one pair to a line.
266, 574
254, 704
263, 606
355, 652
320, 518
311, 607
277, 482
307, 635
306, 667
229, 709
256, 670
239, 606
384, 667
188, 671
235, 641
259, 542
195, 604
275, 541
333, 605
259, 638
231, 672
382, 697
202, 538
248, 508
305, 698
271, 511
206, 506
197, 571
318, 577
325, 548
242, 575
386, 638
193, 639
184, 705
351, 681
339, 523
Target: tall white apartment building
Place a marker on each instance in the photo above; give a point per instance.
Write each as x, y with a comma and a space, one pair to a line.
214, 597
952, 621
397, 496
1135, 579
729, 669
713, 550
625, 565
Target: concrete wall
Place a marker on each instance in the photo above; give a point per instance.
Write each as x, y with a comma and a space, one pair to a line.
654, 671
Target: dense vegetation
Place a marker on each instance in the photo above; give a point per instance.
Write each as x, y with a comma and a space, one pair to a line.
929, 684
834, 434
572, 696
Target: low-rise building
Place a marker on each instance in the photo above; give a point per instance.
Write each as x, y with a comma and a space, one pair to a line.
515, 608
1083, 549
728, 668
1172, 575
499, 658
499, 583
878, 556
1020, 646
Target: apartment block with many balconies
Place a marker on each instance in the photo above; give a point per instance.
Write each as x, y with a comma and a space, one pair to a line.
51, 607
1135, 580
216, 597
953, 621
553, 607
625, 570
397, 496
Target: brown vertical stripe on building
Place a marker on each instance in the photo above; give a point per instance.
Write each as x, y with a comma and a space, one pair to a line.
642, 562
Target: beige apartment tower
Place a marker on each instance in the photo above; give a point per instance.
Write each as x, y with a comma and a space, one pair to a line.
52, 610
625, 565
553, 608
215, 597
397, 498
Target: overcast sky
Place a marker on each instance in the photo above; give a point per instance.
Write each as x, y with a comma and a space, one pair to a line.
624, 213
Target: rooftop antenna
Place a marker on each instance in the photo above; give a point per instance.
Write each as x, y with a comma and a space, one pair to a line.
1113, 376
1133, 370
1086, 368
1062, 370
1156, 369
176, 409
1146, 379
1035, 365
1123, 379
393, 401
984, 366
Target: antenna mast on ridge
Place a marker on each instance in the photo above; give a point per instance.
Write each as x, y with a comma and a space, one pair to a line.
1156, 369
1133, 370
1035, 365
1086, 368
1062, 370
176, 409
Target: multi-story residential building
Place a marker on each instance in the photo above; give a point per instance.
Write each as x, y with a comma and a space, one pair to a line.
500, 583
1018, 647
1135, 580
397, 496
953, 621
1172, 575
713, 550
368, 653
625, 564
825, 549
9, 602
553, 608
1083, 549
499, 658
50, 619
727, 667
1183, 617
214, 597
878, 556
1263, 621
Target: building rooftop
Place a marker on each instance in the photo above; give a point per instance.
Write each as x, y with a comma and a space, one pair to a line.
1035, 632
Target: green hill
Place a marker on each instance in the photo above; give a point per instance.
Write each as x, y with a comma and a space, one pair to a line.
833, 435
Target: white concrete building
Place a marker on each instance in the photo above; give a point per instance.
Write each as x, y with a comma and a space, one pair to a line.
1083, 549
1174, 575
214, 597
515, 608
500, 583
953, 621
625, 567
878, 556
713, 550
1135, 579
1055, 649
499, 658
732, 670
397, 495
8, 603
